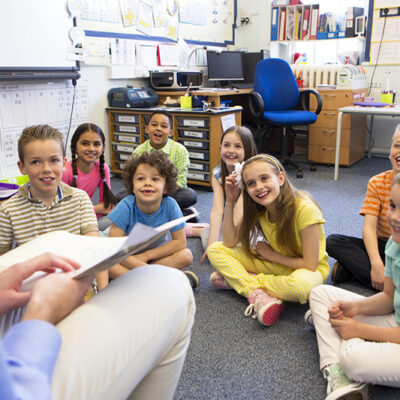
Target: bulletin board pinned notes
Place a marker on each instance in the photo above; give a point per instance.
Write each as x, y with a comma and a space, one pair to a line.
196, 21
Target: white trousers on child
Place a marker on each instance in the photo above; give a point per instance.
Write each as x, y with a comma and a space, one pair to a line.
129, 340
361, 360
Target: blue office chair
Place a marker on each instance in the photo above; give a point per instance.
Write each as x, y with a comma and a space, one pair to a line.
273, 104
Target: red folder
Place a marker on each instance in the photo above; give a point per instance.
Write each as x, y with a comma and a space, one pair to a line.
305, 27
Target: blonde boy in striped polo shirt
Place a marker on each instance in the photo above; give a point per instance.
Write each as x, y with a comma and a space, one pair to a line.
45, 204
364, 259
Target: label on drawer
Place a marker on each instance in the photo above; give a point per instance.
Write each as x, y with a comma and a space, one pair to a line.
198, 155
127, 138
128, 128
198, 176
126, 118
190, 143
194, 134
194, 122
124, 148
199, 166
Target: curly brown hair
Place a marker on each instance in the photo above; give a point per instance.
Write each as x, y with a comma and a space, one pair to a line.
39, 132
155, 159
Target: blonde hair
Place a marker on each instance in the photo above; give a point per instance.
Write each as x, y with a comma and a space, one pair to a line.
286, 205
396, 132
39, 132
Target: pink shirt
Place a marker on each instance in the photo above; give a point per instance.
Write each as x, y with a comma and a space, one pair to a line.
88, 182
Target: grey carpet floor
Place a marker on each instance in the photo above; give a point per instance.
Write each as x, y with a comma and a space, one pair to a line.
232, 356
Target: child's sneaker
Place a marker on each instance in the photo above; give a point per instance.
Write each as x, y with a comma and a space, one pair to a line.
308, 318
264, 307
218, 281
341, 387
193, 279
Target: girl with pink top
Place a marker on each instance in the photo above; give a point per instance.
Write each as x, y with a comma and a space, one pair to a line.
87, 170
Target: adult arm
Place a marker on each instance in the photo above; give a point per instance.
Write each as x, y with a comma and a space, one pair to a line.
371, 244
310, 251
30, 348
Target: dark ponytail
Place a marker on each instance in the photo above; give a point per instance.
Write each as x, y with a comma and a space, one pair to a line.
108, 196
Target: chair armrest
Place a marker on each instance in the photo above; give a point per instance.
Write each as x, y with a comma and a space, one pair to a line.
316, 94
256, 105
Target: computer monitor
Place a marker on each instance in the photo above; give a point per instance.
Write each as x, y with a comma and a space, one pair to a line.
250, 61
225, 66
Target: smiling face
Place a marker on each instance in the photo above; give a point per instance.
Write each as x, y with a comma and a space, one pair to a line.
393, 214
262, 184
232, 150
44, 163
395, 153
148, 188
89, 147
159, 130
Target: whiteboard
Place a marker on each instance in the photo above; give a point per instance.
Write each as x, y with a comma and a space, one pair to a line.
34, 34
204, 21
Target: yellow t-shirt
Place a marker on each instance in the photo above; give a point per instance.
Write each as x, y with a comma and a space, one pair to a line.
307, 213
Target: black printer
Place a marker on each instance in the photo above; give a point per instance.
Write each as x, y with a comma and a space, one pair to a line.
130, 97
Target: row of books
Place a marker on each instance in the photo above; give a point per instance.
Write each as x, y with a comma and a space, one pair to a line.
303, 22
298, 22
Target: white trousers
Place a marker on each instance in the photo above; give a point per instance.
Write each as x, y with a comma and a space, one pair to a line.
361, 360
129, 341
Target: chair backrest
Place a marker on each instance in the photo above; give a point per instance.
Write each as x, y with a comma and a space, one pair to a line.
276, 83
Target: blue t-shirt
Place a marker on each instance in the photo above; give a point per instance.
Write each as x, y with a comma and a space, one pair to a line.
392, 271
126, 213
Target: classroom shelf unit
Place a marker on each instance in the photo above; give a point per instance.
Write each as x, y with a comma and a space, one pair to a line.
199, 131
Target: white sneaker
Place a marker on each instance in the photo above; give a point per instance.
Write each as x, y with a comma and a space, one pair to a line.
308, 319
341, 387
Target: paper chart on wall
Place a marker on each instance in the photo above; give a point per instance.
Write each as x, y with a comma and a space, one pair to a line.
22, 105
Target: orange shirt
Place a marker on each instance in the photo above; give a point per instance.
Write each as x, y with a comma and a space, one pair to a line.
376, 201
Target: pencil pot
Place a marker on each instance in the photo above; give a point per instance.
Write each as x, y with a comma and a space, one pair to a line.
387, 98
186, 101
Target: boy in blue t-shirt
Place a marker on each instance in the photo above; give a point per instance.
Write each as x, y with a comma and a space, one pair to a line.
151, 178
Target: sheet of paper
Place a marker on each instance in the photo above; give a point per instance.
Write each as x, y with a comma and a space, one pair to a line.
146, 55
172, 28
228, 121
168, 54
145, 18
129, 12
123, 52
192, 12
159, 13
97, 51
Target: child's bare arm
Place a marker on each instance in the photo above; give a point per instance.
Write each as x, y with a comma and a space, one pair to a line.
310, 244
371, 244
177, 243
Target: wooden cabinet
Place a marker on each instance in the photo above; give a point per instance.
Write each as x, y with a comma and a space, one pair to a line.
322, 134
199, 131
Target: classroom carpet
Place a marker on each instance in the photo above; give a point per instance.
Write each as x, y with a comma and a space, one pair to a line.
232, 356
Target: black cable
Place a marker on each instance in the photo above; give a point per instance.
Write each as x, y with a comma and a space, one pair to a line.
70, 117
385, 11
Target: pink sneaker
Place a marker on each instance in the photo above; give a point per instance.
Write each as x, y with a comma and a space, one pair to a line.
218, 281
264, 307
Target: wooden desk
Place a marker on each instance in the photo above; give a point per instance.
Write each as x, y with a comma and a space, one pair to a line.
199, 131
214, 95
380, 111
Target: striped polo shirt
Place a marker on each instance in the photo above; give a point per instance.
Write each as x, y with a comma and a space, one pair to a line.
22, 217
376, 201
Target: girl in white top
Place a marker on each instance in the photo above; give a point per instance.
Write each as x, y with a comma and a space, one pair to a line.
237, 145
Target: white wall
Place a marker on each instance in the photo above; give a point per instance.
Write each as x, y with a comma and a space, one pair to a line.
256, 34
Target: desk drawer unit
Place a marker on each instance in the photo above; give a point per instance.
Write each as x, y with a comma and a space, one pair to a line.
199, 132
322, 134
